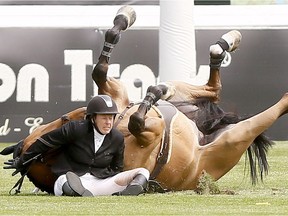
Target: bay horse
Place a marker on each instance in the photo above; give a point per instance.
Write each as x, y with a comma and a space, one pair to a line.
178, 131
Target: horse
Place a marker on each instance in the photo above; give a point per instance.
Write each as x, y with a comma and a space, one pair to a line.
177, 131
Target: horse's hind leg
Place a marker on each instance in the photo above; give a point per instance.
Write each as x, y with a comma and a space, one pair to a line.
227, 43
223, 153
183, 91
124, 18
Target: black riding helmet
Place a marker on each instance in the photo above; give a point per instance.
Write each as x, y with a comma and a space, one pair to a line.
101, 104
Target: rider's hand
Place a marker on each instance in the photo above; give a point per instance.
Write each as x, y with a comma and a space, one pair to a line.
16, 164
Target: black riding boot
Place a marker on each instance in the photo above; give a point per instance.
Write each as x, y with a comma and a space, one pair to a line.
137, 186
68, 191
74, 187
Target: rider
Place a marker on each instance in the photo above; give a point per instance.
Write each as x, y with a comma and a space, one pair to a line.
93, 152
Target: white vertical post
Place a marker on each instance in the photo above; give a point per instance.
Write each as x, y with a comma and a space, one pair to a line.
177, 52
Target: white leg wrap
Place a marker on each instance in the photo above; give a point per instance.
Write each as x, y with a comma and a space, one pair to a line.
216, 49
233, 38
129, 13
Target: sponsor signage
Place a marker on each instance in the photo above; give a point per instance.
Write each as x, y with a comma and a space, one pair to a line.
46, 72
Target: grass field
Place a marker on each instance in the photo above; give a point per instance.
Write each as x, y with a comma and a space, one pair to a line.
237, 197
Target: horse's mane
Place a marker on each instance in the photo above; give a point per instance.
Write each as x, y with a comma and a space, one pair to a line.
210, 118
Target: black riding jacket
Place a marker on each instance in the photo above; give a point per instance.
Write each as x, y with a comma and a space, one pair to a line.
76, 140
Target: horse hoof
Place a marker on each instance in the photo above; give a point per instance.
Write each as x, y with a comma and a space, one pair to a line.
129, 15
136, 123
233, 38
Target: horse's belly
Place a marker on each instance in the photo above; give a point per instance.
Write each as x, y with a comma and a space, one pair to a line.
180, 172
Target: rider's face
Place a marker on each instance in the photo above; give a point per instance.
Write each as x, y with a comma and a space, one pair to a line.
104, 122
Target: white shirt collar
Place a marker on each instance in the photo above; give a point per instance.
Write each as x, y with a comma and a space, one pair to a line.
98, 139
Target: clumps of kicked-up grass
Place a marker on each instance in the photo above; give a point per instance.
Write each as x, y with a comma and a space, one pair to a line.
207, 185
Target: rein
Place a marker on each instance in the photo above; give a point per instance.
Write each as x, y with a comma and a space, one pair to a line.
121, 116
19, 184
20, 181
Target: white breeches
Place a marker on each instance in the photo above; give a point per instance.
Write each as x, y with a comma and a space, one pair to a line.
106, 186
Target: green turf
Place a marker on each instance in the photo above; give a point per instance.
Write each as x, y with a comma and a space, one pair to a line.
237, 197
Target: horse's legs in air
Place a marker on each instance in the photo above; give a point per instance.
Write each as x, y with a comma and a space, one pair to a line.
182, 91
188, 92
227, 43
124, 18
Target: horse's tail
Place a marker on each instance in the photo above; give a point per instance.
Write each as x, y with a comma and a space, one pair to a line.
257, 154
210, 118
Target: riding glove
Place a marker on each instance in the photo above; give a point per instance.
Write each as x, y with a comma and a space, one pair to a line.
16, 164
21, 163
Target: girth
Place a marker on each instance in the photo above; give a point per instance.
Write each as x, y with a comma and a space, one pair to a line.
168, 111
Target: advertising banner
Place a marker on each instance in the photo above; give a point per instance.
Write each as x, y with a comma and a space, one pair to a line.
46, 72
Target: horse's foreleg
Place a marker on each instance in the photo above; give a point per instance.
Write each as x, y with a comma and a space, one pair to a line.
136, 123
124, 18
222, 154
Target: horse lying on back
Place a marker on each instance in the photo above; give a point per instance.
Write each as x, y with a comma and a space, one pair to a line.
178, 131
209, 118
